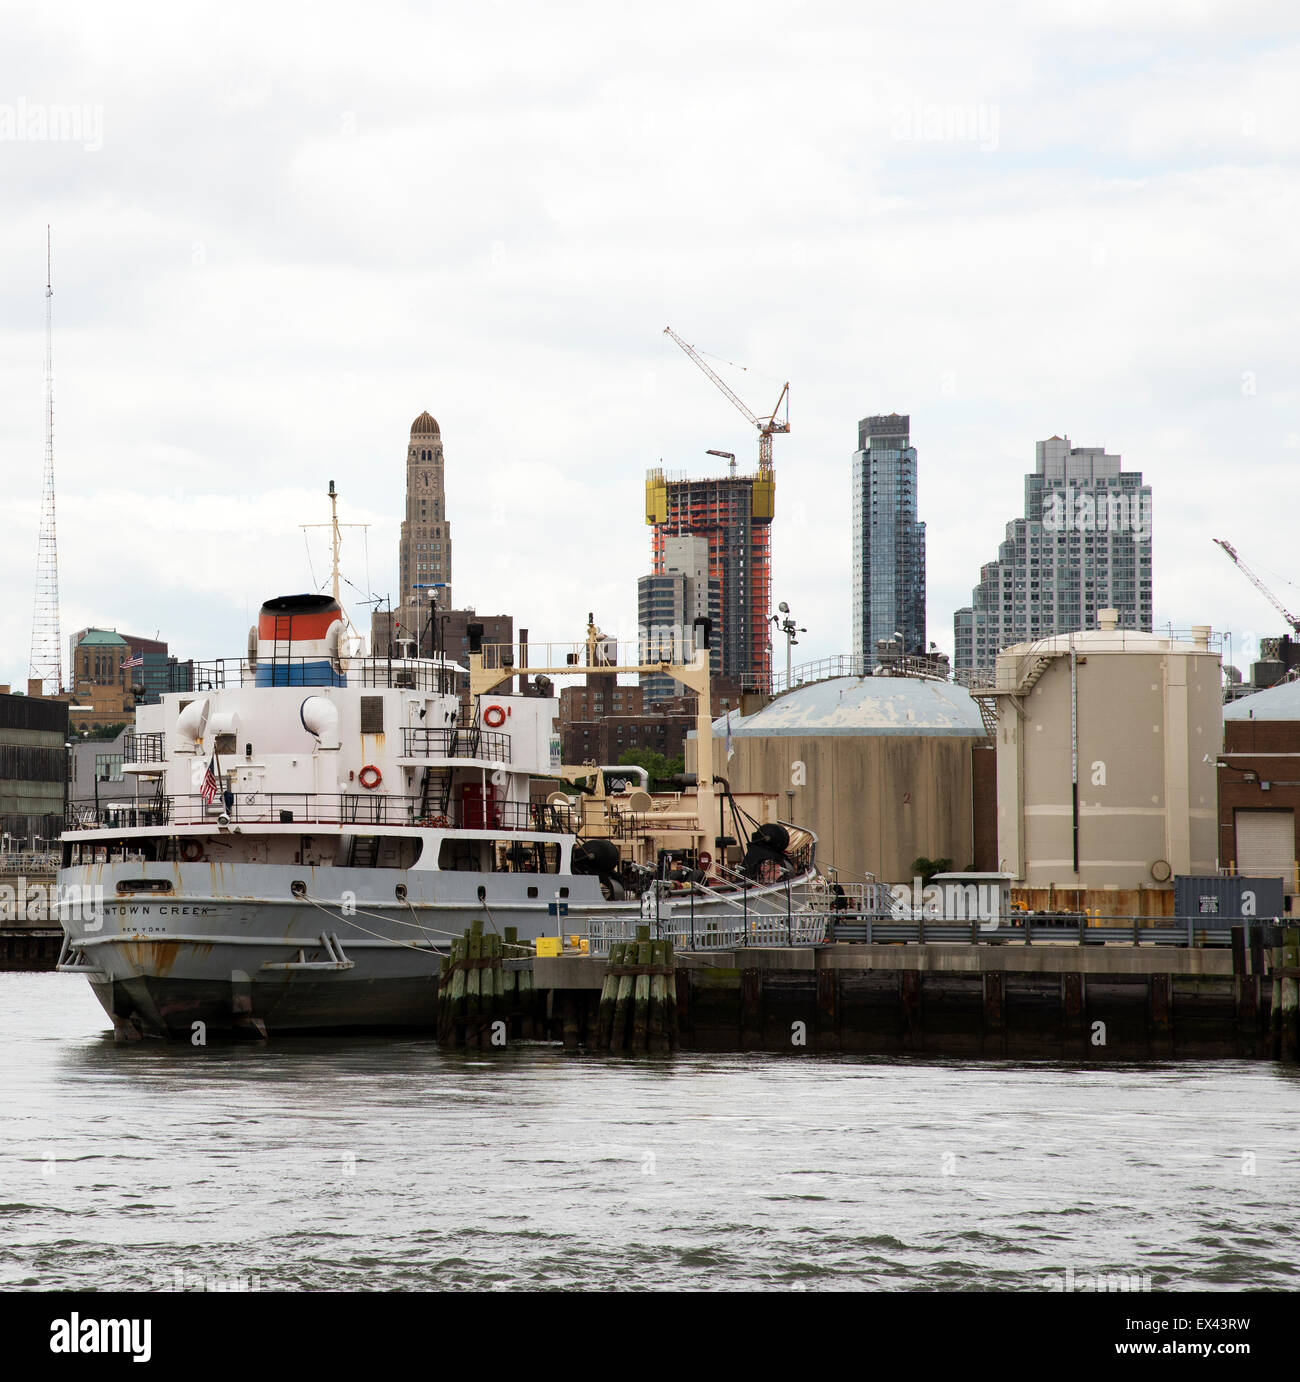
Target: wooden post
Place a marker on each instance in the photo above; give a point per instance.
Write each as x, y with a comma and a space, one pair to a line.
751, 1009
1160, 1026
995, 1023
623, 1001
473, 983
569, 1008
671, 1000
909, 997
459, 999
608, 993
681, 1029
1291, 961
1072, 1014
828, 1017
1275, 1005
641, 996
658, 995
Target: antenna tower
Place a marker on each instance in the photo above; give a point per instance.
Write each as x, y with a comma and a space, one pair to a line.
47, 656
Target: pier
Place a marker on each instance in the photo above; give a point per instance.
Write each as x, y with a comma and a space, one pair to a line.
1090, 1002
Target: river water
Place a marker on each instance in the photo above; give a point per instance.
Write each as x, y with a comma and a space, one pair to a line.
387, 1164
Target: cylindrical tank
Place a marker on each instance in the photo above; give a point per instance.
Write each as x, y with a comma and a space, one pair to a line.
1106, 744
298, 642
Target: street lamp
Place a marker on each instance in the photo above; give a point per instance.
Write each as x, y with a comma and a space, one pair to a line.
788, 627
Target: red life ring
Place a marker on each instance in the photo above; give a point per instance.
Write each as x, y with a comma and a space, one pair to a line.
191, 850
373, 780
703, 859
494, 717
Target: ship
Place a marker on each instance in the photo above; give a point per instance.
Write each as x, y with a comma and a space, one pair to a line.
307, 830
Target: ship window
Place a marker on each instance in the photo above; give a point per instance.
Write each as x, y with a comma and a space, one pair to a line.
372, 714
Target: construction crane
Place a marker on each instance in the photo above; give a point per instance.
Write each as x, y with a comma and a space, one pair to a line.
1260, 586
767, 426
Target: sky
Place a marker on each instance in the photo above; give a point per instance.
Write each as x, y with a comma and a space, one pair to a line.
282, 232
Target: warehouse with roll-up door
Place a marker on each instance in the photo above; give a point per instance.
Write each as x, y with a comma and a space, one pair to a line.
1259, 786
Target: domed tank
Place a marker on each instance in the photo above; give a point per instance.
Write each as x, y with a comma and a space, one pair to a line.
299, 640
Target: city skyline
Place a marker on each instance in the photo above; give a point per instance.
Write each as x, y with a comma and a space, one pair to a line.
222, 355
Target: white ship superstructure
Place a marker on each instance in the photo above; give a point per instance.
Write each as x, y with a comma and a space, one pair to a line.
306, 831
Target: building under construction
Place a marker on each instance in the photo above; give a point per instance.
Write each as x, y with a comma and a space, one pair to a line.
735, 513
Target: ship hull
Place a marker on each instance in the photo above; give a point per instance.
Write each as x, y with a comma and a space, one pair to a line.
230, 950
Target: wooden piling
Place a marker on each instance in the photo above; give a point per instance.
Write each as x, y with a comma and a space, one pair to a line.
1275, 1004
828, 1025
1291, 994
1160, 1027
658, 1024
608, 995
623, 1000
670, 996
641, 994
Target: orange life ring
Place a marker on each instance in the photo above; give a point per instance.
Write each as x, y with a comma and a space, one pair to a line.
374, 779
494, 717
191, 850
703, 859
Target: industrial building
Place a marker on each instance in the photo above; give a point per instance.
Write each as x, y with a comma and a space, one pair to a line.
1259, 786
1106, 742
882, 768
33, 770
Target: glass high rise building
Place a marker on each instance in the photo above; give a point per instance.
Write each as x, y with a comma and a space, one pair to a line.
888, 542
1083, 545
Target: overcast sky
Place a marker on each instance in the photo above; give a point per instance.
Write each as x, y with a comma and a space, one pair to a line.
282, 231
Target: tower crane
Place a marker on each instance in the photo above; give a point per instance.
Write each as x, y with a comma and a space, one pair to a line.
767, 426
1260, 586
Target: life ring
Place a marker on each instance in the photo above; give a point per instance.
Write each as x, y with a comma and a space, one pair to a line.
494, 717
370, 777
191, 850
703, 859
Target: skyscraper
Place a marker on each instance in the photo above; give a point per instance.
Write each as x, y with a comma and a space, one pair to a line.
1083, 545
888, 542
734, 513
668, 605
425, 546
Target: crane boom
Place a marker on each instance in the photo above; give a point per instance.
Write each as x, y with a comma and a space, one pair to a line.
766, 425
1259, 585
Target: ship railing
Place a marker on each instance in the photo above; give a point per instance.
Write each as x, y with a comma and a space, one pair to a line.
143, 747
362, 809
414, 674
470, 742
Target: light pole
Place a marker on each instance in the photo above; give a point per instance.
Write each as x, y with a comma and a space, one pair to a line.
788, 627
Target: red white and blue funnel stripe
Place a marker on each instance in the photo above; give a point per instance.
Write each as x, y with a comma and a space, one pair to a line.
298, 639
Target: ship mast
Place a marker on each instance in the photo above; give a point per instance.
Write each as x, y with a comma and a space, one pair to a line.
335, 540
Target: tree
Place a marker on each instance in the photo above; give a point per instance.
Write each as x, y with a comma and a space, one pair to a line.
660, 768
927, 868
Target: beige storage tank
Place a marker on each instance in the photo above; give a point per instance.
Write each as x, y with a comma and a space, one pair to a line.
1106, 749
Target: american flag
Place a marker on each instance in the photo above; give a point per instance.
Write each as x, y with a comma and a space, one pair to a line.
136, 661
209, 789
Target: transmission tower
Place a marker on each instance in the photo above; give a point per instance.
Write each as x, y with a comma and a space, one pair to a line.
47, 656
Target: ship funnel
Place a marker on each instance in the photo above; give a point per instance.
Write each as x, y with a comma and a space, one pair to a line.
298, 642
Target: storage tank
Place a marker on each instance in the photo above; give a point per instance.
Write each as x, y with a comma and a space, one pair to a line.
1102, 746
298, 640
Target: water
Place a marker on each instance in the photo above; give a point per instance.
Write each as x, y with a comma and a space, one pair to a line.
388, 1165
